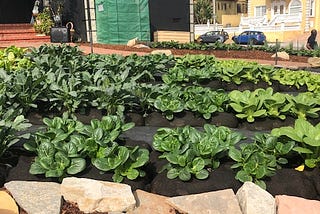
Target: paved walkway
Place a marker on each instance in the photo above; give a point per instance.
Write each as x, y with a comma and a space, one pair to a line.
87, 49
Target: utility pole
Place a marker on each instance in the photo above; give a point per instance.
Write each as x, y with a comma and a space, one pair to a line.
214, 13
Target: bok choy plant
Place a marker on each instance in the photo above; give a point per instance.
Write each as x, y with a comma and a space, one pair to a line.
307, 138
191, 152
259, 159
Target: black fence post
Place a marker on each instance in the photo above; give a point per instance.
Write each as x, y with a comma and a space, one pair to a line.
89, 25
276, 58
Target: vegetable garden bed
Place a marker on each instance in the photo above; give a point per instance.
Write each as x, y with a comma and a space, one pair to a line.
199, 120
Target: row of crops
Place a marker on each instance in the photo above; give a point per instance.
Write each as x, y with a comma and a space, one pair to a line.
62, 79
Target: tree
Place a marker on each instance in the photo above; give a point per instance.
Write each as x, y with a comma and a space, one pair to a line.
202, 11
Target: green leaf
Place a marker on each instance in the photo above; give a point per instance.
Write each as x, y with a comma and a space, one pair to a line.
98, 134
261, 171
30, 146
132, 174
62, 159
311, 163
243, 176
184, 174
287, 131
36, 169
261, 184
127, 126
60, 138
172, 173
46, 149
259, 113
172, 158
197, 164
77, 165
312, 141
282, 161
302, 150
141, 157
202, 174
54, 173
235, 154
117, 178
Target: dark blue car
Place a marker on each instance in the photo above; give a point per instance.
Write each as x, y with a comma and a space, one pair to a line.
250, 37
213, 36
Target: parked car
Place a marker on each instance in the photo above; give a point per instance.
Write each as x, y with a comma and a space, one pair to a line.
213, 36
250, 37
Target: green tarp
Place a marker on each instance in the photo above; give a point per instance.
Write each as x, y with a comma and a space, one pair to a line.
121, 20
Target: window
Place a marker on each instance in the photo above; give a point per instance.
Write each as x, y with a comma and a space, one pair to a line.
311, 7
281, 9
241, 8
224, 6
278, 7
260, 11
295, 7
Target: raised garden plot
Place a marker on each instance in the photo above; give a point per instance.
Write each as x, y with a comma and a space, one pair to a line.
91, 102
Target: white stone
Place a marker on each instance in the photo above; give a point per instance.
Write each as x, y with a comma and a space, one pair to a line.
36, 197
282, 55
253, 199
141, 46
132, 42
166, 52
314, 61
217, 202
98, 196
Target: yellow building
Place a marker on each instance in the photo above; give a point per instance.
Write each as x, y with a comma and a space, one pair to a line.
229, 12
225, 7
290, 19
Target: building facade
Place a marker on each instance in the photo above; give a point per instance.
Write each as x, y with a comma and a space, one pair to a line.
289, 18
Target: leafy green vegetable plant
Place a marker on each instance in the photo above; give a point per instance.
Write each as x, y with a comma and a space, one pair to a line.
169, 101
10, 125
259, 159
248, 105
304, 105
191, 152
191, 69
64, 147
23, 89
59, 148
307, 138
204, 100
14, 58
275, 104
107, 155
289, 78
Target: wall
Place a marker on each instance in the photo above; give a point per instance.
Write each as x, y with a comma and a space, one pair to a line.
15, 11
231, 20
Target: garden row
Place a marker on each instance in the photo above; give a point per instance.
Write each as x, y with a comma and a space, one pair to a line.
61, 79
233, 46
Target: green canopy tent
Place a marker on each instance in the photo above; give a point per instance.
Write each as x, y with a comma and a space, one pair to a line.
121, 20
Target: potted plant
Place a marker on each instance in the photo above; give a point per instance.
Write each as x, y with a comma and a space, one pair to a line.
43, 22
